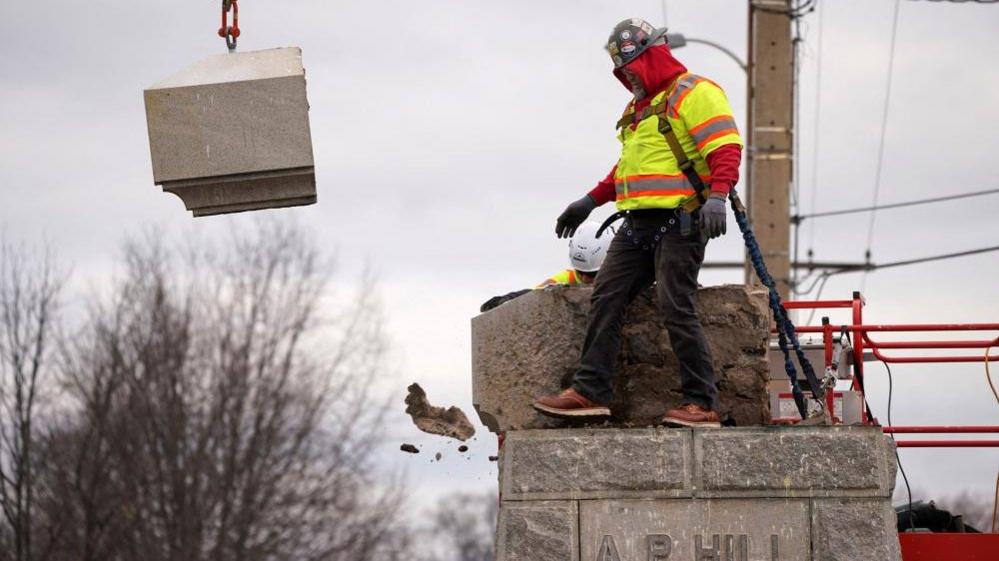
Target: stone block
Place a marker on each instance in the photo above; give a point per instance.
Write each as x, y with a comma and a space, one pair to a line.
538, 531
598, 463
531, 345
794, 462
695, 530
854, 530
231, 133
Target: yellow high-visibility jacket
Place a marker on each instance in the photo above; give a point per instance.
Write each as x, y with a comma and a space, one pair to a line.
648, 175
568, 277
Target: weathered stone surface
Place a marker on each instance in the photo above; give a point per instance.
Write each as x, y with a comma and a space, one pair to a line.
695, 530
739, 494
794, 462
231, 133
854, 530
599, 463
538, 531
531, 345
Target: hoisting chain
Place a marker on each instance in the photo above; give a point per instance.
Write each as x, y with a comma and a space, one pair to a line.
230, 32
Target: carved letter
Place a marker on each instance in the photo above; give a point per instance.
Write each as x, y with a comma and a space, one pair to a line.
711, 554
736, 548
608, 550
742, 548
660, 547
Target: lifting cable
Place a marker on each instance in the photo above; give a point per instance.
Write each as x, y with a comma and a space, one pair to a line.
230, 32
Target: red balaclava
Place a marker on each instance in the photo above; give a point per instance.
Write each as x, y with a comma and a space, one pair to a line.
653, 71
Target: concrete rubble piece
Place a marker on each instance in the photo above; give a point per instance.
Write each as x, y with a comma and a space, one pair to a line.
231, 133
450, 422
732, 494
530, 346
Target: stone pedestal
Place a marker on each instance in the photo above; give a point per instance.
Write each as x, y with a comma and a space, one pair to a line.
530, 346
231, 133
738, 494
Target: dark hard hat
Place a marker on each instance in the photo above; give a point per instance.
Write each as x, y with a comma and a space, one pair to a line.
630, 38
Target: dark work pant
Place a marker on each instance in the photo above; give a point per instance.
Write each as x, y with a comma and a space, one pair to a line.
627, 270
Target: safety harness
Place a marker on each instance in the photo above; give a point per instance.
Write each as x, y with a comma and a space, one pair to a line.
786, 333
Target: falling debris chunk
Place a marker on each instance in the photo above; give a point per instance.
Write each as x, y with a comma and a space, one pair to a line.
438, 456
463, 448
493, 458
409, 448
450, 422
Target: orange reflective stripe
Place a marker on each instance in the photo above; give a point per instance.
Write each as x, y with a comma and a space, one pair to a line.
699, 129
719, 134
656, 193
684, 86
636, 178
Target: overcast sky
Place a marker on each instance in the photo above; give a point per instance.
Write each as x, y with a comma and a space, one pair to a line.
449, 134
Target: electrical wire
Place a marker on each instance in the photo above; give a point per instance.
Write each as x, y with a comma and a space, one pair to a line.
818, 124
988, 377
898, 459
884, 127
874, 266
804, 8
902, 204
962, 1
822, 285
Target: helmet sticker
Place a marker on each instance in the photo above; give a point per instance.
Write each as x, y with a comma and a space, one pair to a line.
627, 48
617, 60
612, 48
625, 35
646, 27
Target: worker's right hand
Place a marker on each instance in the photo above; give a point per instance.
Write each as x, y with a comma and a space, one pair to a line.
573, 216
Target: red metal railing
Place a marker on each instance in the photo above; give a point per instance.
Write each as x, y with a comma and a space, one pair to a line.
861, 339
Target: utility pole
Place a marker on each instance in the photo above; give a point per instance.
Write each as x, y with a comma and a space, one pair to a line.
770, 95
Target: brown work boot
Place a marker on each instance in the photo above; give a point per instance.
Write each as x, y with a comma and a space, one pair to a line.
570, 403
690, 415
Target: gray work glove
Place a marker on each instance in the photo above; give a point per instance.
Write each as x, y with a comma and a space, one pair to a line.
713, 216
573, 216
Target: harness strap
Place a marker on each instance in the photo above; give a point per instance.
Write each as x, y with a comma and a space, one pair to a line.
685, 164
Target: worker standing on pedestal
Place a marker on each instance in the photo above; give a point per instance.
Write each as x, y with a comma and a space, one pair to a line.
676, 133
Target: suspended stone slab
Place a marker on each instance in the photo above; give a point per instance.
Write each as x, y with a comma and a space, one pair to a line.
231, 133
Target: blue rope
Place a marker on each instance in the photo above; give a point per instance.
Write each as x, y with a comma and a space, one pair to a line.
785, 327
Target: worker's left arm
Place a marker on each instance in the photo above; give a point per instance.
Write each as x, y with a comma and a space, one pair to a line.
710, 122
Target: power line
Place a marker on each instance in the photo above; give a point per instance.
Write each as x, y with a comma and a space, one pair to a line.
964, 1
877, 266
803, 8
800, 217
884, 128
818, 124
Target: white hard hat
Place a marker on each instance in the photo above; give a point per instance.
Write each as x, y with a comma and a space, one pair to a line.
586, 252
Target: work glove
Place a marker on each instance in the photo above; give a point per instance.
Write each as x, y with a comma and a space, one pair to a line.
713, 218
495, 301
573, 216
